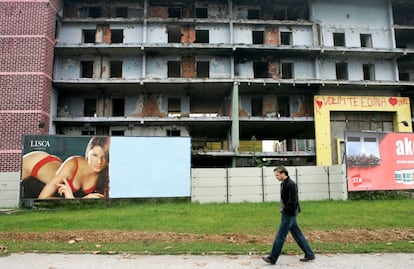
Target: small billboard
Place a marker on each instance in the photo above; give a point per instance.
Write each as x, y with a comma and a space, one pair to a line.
379, 160
56, 166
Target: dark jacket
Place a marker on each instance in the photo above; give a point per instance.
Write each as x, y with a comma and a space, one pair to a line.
290, 197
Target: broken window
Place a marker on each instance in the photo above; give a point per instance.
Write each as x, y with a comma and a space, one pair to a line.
203, 69
202, 36
341, 71
118, 107
287, 70
257, 107
88, 132
174, 34
260, 69
258, 37
117, 36
201, 12
174, 12
88, 36
122, 12
366, 40
404, 76
173, 132
280, 13
115, 69
368, 70
253, 14
174, 106
117, 133
174, 69
286, 38
89, 107
95, 12
86, 69
283, 106
339, 39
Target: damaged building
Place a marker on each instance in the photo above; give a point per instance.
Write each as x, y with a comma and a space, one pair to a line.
239, 77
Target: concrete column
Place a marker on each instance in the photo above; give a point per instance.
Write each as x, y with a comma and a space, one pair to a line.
235, 118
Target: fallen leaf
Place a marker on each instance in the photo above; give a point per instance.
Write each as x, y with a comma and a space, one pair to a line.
201, 263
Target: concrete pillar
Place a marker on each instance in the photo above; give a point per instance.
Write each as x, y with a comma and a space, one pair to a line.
235, 118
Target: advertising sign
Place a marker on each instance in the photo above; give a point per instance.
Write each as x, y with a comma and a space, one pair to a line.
379, 161
105, 167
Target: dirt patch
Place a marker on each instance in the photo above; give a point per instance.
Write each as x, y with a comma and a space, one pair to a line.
356, 236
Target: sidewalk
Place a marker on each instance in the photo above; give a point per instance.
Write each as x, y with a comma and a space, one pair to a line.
127, 261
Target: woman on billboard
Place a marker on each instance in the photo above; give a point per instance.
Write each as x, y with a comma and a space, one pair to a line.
77, 176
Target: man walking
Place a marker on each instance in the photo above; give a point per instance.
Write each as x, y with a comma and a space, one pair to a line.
289, 208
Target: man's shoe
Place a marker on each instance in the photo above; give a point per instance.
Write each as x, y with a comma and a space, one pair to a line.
306, 259
268, 260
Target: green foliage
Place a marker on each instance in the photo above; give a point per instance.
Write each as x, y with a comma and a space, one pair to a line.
379, 195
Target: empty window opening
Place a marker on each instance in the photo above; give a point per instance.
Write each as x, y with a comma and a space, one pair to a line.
283, 106
117, 36
260, 69
404, 76
286, 38
257, 107
122, 12
117, 133
280, 13
173, 132
253, 14
116, 69
89, 107
258, 37
86, 69
174, 69
287, 70
88, 36
202, 36
203, 69
174, 106
368, 70
366, 40
174, 12
341, 71
339, 39
95, 12
118, 107
88, 132
201, 12
174, 34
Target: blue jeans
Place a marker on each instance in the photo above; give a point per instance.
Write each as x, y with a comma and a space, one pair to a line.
288, 223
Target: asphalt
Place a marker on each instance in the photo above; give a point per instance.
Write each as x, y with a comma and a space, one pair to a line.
99, 261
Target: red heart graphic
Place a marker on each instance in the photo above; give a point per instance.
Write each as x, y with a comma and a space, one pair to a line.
319, 103
393, 101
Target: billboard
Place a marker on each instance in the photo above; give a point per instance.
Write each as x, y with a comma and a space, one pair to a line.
105, 167
379, 161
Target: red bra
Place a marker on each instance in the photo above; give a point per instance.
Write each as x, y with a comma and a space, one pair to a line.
70, 180
42, 162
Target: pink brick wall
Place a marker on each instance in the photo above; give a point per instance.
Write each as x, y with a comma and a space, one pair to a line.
27, 32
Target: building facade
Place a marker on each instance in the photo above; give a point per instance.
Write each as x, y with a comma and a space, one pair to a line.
251, 82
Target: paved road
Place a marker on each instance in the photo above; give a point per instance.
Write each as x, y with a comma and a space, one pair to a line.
90, 261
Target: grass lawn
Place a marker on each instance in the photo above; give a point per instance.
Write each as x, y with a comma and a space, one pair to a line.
180, 217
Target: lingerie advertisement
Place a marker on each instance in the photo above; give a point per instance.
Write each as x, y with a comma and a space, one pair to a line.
102, 167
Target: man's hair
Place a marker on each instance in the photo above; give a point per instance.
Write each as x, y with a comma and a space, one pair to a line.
281, 169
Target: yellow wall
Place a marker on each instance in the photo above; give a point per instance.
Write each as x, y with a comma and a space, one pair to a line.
323, 105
